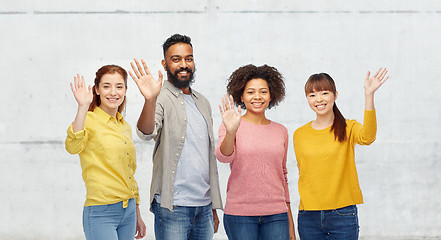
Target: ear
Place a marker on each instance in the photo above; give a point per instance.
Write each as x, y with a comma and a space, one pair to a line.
336, 94
164, 65
95, 88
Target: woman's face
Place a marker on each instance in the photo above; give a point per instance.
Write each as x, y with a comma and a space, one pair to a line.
112, 91
321, 102
256, 95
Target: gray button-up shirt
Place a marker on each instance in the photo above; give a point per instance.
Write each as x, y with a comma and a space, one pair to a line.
169, 135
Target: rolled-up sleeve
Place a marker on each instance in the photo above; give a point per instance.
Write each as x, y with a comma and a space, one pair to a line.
75, 141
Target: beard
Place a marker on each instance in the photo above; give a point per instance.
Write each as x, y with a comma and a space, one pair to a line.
178, 82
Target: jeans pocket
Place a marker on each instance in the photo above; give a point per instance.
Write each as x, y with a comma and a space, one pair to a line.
99, 208
347, 211
301, 212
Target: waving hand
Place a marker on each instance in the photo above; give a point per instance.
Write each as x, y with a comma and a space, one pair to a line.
147, 85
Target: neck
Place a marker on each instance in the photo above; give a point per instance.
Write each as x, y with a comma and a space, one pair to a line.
258, 119
186, 90
323, 121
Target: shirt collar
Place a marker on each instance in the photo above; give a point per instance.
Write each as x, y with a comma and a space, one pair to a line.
105, 116
176, 91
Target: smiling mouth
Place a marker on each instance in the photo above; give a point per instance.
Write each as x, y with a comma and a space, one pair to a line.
112, 99
321, 106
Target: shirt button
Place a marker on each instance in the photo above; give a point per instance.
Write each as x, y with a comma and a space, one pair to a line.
173, 172
183, 137
182, 102
177, 154
173, 190
127, 154
185, 119
125, 142
130, 177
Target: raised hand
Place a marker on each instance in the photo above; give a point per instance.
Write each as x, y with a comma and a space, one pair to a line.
83, 95
371, 84
147, 85
230, 118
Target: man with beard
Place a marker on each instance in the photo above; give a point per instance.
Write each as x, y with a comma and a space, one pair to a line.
184, 192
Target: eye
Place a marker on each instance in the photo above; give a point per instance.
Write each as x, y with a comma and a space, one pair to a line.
119, 87
311, 95
250, 92
106, 86
190, 59
175, 60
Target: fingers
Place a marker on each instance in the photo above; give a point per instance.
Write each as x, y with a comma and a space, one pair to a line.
135, 70
383, 74
231, 102
146, 69
376, 74
133, 76
220, 109
138, 65
160, 76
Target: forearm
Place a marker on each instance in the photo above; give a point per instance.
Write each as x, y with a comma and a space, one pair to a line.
80, 118
146, 121
369, 101
227, 146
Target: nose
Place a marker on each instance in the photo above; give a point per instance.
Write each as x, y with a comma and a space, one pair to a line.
183, 64
113, 91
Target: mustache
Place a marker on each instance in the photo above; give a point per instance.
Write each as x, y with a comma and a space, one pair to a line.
182, 70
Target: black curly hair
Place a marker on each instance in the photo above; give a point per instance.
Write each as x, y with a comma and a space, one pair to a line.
240, 77
176, 38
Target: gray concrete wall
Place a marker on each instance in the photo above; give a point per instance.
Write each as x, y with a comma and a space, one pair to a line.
43, 44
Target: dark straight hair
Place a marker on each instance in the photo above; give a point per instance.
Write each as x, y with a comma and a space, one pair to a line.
322, 82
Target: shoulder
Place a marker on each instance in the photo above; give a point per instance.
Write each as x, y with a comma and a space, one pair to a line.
279, 126
351, 123
299, 131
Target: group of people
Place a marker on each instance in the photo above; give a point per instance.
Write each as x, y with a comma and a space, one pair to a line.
184, 192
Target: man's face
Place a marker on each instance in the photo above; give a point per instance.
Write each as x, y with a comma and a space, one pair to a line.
179, 65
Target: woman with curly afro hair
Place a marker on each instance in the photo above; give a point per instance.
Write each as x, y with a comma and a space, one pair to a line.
258, 205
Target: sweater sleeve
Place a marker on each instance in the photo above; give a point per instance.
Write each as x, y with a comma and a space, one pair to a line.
219, 155
285, 170
365, 134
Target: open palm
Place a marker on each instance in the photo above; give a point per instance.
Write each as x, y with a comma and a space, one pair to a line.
147, 85
83, 95
230, 118
371, 84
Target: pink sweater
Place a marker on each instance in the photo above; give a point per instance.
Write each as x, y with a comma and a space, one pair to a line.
258, 183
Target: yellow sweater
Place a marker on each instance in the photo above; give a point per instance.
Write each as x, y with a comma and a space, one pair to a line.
327, 173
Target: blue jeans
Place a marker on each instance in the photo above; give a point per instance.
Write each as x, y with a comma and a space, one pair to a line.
110, 222
269, 227
333, 224
183, 223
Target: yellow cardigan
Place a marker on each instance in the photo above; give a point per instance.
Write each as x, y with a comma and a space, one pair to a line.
327, 173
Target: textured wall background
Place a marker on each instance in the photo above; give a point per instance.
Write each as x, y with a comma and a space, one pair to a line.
43, 44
